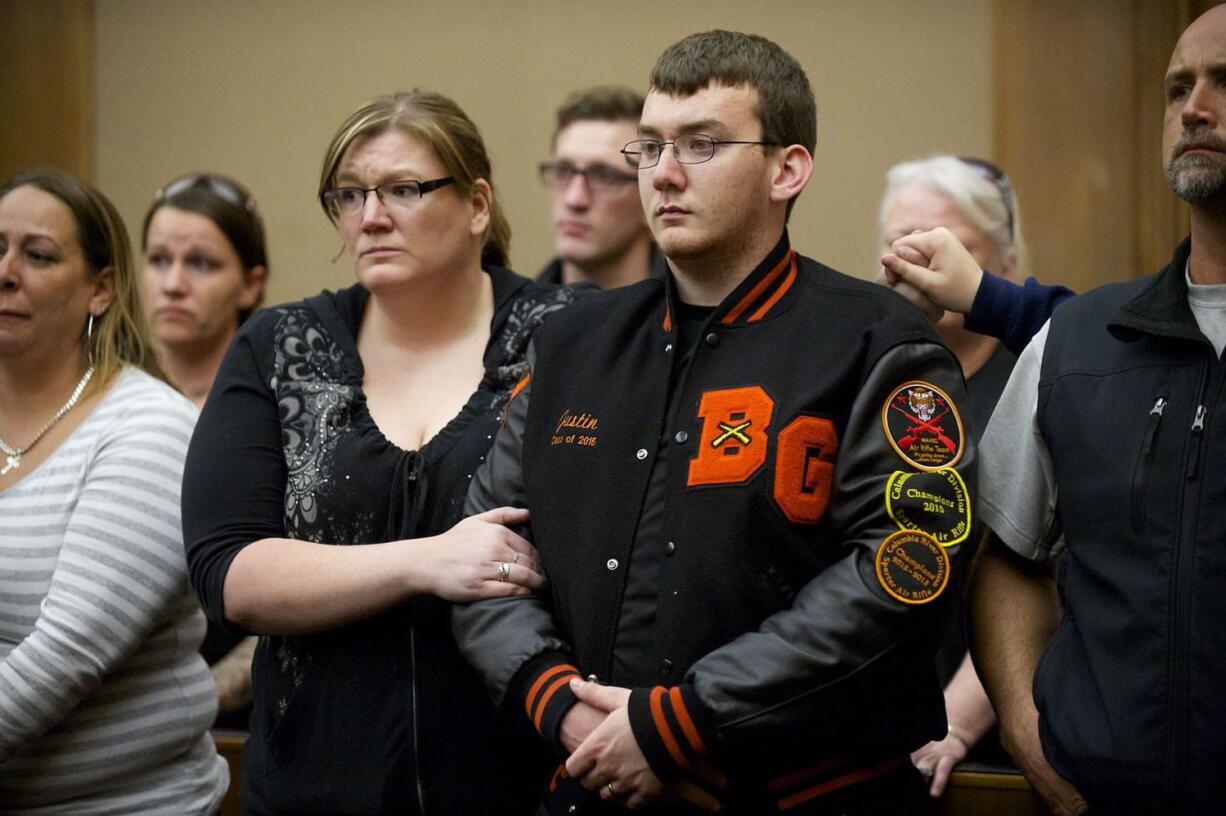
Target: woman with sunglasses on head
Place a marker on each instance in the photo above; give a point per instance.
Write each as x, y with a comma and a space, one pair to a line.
973, 200
204, 272
104, 703
203, 275
326, 480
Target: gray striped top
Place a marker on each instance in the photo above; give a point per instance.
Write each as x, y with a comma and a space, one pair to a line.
104, 703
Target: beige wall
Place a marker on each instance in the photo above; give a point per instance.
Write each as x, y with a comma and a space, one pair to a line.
255, 90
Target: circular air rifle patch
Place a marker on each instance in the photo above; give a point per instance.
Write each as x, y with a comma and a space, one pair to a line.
933, 502
912, 567
923, 425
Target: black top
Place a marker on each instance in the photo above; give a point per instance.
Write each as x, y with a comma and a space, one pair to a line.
386, 704
985, 386
983, 390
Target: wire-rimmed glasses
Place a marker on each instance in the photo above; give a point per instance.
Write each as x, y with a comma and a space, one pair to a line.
598, 176
694, 148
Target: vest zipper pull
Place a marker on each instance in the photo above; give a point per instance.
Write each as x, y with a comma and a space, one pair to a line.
1140, 477
1151, 430
1198, 431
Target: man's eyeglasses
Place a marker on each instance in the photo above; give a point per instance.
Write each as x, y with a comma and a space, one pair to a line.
598, 176
220, 186
695, 149
401, 195
998, 178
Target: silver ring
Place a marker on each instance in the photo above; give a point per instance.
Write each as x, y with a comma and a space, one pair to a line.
504, 571
515, 560
612, 792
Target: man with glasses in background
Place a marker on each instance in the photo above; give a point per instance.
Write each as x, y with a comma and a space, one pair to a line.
748, 482
599, 233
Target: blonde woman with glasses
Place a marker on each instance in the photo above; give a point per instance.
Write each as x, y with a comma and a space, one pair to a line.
327, 475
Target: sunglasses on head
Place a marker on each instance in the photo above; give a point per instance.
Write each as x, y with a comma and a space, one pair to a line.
219, 186
998, 178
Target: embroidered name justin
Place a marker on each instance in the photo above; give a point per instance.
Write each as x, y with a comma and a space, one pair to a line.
581, 422
575, 422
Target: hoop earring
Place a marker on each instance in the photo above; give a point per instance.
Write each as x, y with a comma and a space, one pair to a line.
89, 338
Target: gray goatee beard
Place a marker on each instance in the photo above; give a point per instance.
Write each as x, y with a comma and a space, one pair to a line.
1198, 178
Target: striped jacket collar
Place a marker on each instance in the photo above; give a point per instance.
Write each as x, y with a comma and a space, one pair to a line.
757, 297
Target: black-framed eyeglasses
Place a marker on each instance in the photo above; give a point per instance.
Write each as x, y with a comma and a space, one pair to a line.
401, 194
999, 180
598, 176
692, 149
220, 186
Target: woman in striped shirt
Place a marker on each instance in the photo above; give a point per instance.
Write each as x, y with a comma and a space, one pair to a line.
104, 703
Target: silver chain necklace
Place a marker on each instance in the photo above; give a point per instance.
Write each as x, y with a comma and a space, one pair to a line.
14, 454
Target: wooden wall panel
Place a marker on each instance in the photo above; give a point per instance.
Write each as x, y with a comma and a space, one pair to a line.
47, 86
1078, 125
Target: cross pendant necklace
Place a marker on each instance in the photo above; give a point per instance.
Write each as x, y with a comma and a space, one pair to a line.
13, 455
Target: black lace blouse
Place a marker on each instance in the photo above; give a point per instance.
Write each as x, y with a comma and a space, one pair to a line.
381, 715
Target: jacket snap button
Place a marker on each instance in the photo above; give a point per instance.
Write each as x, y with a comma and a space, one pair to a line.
668, 348
670, 548
681, 437
666, 668
611, 563
712, 339
641, 454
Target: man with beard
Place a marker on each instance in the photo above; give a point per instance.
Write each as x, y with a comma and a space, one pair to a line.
1106, 459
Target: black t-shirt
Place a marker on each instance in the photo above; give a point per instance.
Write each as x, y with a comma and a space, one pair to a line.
635, 657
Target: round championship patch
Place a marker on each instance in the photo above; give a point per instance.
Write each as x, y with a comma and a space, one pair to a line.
912, 567
923, 425
932, 502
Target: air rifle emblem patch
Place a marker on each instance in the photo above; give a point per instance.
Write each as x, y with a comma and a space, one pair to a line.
933, 502
923, 426
912, 567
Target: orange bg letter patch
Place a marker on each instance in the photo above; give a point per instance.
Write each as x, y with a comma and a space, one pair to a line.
734, 440
804, 468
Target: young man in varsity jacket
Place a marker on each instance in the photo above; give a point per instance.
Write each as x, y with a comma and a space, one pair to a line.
749, 483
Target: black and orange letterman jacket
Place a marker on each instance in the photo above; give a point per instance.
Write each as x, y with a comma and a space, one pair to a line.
808, 477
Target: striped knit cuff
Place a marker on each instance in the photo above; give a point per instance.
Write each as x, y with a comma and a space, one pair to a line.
544, 686
673, 730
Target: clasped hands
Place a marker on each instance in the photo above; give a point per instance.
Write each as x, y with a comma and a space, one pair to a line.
934, 271
605, 756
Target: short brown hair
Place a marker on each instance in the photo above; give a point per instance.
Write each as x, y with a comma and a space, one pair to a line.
439, 122
785, 101
603, 103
